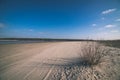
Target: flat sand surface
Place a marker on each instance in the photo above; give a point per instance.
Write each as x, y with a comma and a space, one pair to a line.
41, 61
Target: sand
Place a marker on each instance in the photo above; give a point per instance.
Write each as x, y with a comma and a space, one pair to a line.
53, 61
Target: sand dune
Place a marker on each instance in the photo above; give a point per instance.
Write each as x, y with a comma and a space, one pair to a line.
42, 61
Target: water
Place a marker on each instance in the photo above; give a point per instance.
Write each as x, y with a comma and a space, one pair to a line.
18, 42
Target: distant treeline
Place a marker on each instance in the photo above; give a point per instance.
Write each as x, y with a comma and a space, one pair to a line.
52, 39
112, 43
43, 39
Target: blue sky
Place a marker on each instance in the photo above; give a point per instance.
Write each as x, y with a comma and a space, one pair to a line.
76, 19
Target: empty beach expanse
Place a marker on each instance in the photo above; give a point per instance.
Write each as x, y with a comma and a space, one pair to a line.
54, 61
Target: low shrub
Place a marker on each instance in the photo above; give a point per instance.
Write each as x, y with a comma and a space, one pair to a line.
92, 53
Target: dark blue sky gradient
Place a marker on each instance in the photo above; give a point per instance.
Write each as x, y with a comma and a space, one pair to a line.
55, 18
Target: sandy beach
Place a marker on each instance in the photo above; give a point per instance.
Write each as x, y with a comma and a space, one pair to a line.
52, 61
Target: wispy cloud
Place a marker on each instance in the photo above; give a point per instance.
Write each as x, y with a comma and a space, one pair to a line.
117, 19
110, 26
2, 25
30, 29
103, 18
114, 31
109, 11
94, 24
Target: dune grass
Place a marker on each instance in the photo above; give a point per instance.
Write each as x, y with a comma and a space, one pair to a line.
92, 53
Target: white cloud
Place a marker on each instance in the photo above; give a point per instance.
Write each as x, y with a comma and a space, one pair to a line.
110, 26
94, 25
109, 11
2, 25
114, 31
118, 20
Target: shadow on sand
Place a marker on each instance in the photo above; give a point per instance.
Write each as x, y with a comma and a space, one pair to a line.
66, 62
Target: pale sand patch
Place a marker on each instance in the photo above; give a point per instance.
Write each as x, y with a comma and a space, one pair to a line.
47, 61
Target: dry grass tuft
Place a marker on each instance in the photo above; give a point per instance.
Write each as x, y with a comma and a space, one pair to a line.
92, 53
